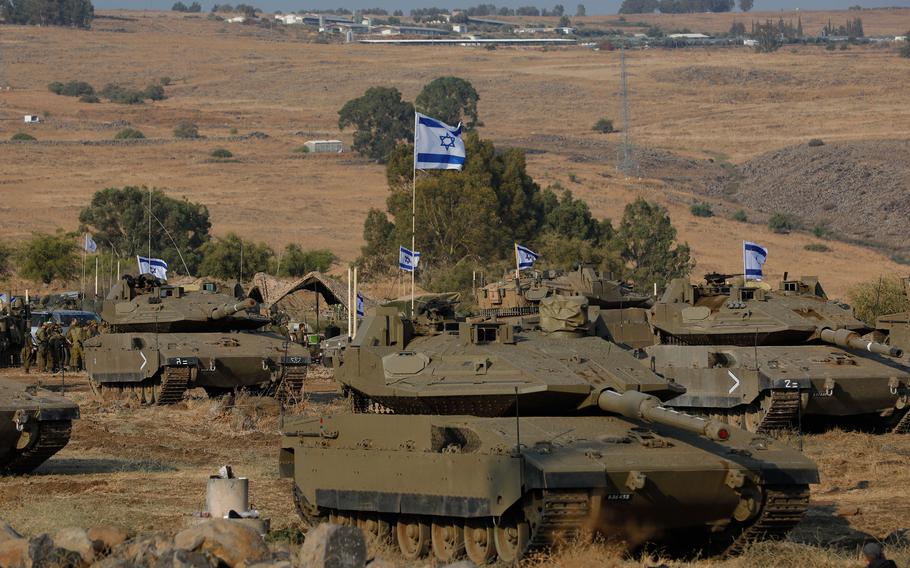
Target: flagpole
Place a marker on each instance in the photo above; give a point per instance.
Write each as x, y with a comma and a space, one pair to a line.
517, 263
83, 271
413, 213
745, 278
150, 225
96, 276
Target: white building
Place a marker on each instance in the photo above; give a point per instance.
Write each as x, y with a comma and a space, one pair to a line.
236, 20
324, 146
32, 119
460, 28
289, 19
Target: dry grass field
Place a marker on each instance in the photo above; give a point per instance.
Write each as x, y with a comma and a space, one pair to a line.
146, 468
694, 111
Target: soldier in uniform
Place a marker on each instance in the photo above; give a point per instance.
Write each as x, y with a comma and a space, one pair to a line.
57, 348
28, 350
42, 336
75, 335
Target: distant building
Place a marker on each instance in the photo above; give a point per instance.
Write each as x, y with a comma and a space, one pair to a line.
688, 36
384, 30
236, 20
324, 146
290, 19
32, 119
460, 28
750, 42
410, 30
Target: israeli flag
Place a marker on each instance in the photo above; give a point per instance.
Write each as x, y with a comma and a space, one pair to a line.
437, 146
154, 266
360, 311
408, 260
754, 257
525, 257
90, 245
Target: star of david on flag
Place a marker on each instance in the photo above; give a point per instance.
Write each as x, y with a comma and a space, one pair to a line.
754, 257
408, 260
437, 146
525, 257
154, 266
360, 309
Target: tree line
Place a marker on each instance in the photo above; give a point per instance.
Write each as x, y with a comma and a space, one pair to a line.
681, 6
75, 13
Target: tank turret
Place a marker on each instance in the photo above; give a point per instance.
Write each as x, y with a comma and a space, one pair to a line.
493, 438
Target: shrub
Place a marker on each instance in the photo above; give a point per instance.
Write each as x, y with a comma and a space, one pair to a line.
221, 257
701, 209
186, 129
816, 142
129, 134
296, 262
154, 92
233, 131
821, 230
844, 46
222, 153
301, 150
604, 126
874, 298
46, 258
22, 137
71, 88
164, 81
574, 178
817, 247
56, 87
905, 49
830, 46
117, 94
740, 216
783, 223
91, 99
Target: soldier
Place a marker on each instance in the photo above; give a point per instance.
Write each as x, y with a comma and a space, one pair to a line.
75, 335
42, 336
874, 555
28, 350
56, 348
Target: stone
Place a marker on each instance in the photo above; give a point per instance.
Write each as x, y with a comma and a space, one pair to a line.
186, 559
112, 562
106, 537
144, 550
333, 546
7, 532
272, 564
379, 563
43, 552
76, 540
14, 553
233, 543
461, 564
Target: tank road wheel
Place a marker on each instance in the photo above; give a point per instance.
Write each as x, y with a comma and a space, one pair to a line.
413, 536
448, 540
478, 541
511, 537
376, 529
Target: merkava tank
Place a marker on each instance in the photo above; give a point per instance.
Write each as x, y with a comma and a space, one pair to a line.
763, 358
483, 438
35, 424
166, 339
512, 297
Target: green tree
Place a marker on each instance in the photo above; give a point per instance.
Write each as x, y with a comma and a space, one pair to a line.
638, 6
118, 219
768, 36
178, 7
746, 5
646, 241
129, 134
296, 262
46, 258
564, 21
379, 250
451, 100
194, 8
581, 12
905, 49
878, 297
75, 13
221, 257
381, 120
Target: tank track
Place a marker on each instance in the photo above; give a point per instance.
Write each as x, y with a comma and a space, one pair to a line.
782, 412
290, 388
903, 426
52, 437
563, 517
174, 383
784, 508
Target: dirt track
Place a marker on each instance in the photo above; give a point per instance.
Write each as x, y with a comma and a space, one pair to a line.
146, 468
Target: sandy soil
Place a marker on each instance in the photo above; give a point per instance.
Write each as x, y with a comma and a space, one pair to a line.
146, 468
697, 104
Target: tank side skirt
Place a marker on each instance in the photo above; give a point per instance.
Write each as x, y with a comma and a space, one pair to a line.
52, 437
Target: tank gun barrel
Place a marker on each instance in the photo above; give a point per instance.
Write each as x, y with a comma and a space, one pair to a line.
229, 309
851, 339
640, 406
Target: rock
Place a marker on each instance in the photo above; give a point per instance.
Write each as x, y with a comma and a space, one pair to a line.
461, 564
144, 550
186, 559
106, 537
111, 562
333, 546
7, 532
14, 553
232, 542
76, 540
378, 563
272, 564
43, 552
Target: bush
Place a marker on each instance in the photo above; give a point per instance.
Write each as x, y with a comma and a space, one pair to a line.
301, 150
875, 298
46, 258
221, 257
821, 230
91, 99
783, 223
296, 262
817, 247
233, 131
71, 88
185, 129
905, 49
129, 134
56, 87
222, 153
701, 210
604, 126
164, 81
816, 142
574, 178
154, 92
117, 94
830, 46
740, 216
23, 137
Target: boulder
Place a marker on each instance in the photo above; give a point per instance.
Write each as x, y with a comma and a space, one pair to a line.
76, 540
187, 559
333, 546
143, 550
14, 553
106, 537
43, 552
233, 543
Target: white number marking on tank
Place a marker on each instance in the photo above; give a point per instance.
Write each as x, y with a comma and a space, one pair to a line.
735, 382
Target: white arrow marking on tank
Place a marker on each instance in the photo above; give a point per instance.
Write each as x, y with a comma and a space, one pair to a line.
735, 382
145, 361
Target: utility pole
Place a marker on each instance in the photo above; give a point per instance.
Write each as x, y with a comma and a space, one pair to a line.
627, 163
